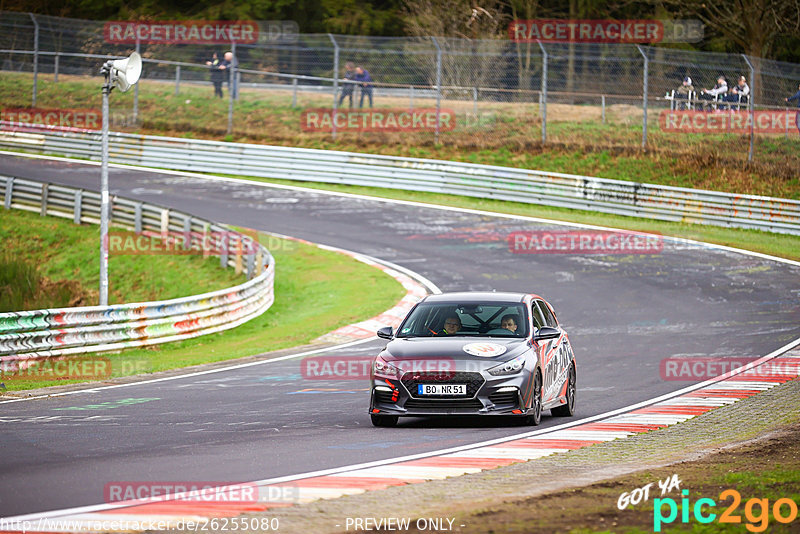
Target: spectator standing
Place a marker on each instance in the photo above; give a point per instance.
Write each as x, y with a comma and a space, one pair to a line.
797, 115
711, 94
349, 85
739, 93
229, 64
217, 75
363, 78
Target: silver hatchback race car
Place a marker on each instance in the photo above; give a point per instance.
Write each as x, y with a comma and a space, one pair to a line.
474, 354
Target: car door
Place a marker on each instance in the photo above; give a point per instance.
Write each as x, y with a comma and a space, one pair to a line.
551, 353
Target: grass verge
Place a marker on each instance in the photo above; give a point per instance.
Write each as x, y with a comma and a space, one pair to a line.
336, 282
500, 133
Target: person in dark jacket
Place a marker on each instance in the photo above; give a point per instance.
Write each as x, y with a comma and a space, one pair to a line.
217, 75
363, 78
797, 115
348, 86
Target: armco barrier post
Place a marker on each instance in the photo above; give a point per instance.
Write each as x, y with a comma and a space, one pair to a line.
76, 210
35, 57
335, 82
544, 93
294, 92
55, 68
9, 192
177, 79
644, 96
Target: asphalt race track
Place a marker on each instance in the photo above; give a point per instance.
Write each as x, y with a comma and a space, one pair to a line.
624, 314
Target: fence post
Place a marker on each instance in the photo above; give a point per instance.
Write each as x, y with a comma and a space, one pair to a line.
136, 89
177, 79
543, 93
231, 88
35, 56
294, 92
438, 84
603, 104
335, 83
644, 96
475, 100
411, 96
55, 68
752, 106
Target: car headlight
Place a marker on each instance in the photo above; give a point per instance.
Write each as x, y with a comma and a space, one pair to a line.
382, 368
510, 367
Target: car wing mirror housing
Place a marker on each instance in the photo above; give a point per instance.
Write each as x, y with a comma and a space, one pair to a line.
546, 332
386, 332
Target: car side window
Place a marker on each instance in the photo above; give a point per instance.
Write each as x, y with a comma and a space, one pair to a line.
549, 318
536, 314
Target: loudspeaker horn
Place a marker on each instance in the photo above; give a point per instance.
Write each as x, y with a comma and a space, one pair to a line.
126, 72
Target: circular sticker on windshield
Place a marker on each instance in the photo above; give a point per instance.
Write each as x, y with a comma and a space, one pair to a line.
487, 350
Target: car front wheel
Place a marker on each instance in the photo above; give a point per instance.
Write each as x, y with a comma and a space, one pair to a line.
535, 415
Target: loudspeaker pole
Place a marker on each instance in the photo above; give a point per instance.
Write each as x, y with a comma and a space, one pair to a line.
107, 86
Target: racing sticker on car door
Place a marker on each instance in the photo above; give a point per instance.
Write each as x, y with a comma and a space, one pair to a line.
555, 371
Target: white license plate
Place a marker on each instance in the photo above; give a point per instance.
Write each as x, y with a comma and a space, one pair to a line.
441, 389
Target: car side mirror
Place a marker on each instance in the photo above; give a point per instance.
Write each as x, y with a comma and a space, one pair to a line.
386, 332
546, 332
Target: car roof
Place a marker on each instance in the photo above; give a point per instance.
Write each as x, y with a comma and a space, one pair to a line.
473, 296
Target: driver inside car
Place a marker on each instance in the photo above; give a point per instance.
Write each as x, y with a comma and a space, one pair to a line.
509, 322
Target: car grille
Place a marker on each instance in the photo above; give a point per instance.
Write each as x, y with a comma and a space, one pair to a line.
441, 404
506, 397
473, 381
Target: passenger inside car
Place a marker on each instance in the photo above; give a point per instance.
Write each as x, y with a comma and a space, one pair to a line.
452, 324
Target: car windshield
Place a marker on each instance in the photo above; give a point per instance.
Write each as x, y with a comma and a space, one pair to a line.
466, 319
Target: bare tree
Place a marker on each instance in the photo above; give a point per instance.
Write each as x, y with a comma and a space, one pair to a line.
752, 25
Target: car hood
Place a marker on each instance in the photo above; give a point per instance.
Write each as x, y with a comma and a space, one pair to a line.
410, 349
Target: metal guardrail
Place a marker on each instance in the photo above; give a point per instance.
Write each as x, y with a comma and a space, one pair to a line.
482, 181
61, 332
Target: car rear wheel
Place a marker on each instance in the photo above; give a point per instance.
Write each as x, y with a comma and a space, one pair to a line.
535, 416
568, 409
383, 420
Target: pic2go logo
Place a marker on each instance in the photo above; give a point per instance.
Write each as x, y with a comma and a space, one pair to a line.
756, 511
